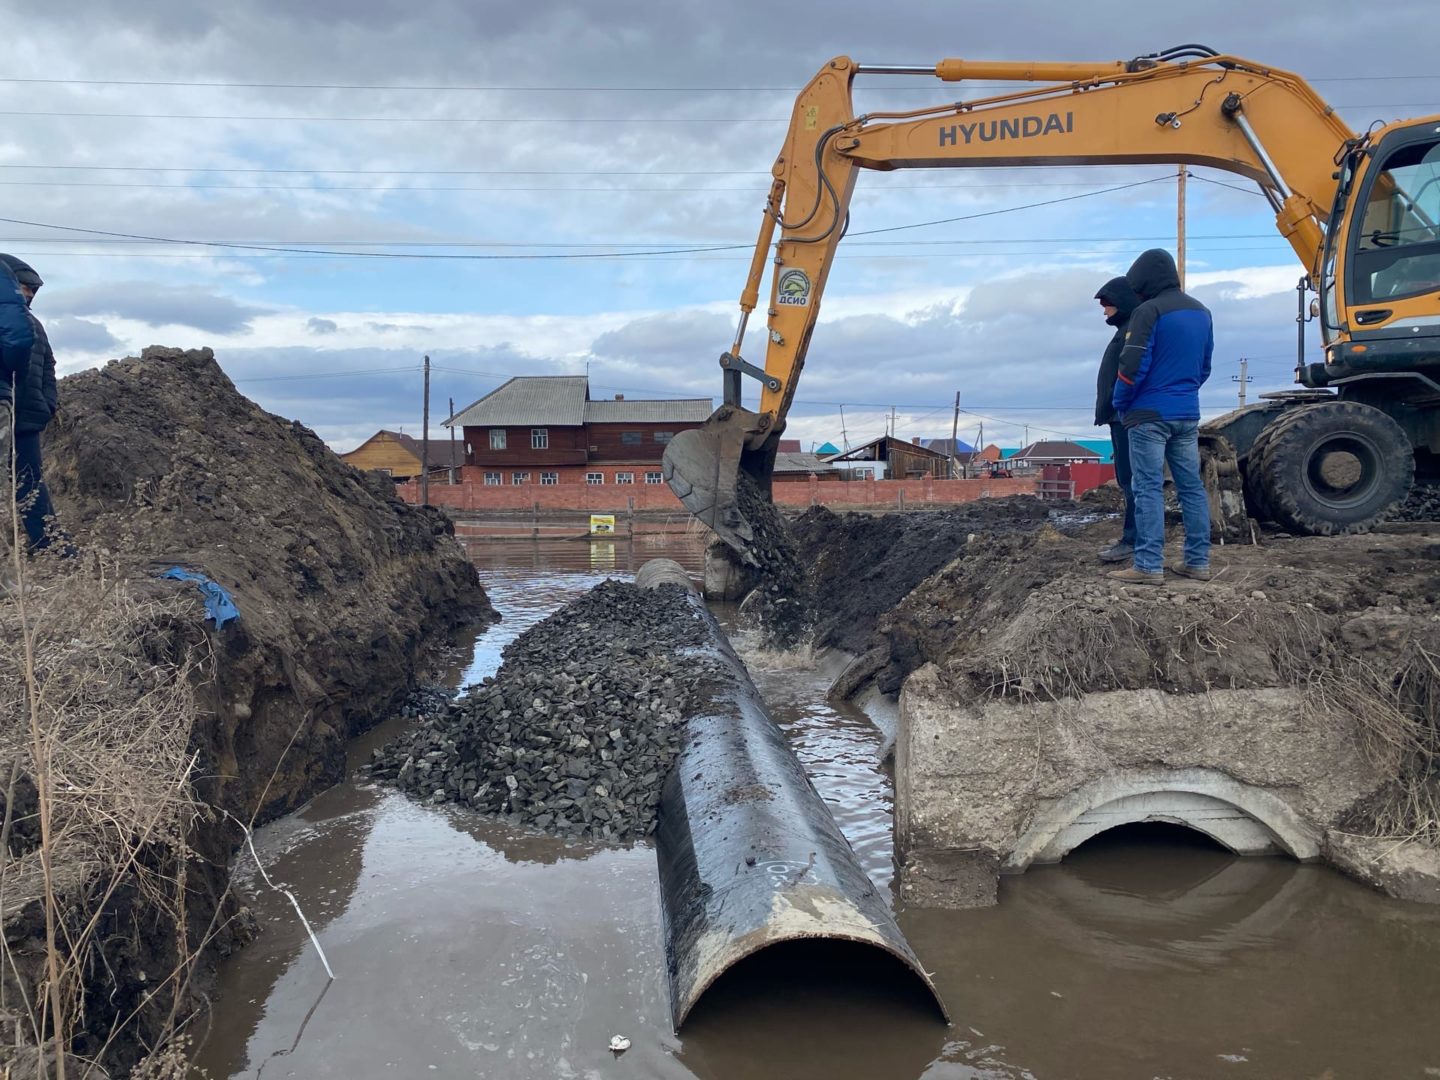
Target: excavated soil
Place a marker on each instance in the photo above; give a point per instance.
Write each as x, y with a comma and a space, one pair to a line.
862, 565
577, 731
1023, 610
158, 461
782, 603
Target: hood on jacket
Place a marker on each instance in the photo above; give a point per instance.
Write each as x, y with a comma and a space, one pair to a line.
1118, 294
1153, 273
23, 271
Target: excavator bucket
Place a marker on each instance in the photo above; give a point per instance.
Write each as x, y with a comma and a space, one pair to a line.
702, 467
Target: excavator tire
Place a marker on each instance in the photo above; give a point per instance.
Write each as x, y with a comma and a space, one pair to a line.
1257, 497
1224, 488
1335, 468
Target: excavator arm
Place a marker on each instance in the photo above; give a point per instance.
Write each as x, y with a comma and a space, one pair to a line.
1187, 106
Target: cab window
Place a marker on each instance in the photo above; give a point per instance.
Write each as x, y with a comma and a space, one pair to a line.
1397, 249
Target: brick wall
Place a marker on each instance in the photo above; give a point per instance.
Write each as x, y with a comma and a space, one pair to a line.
613, 498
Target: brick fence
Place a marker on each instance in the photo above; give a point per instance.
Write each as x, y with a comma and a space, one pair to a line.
619, 498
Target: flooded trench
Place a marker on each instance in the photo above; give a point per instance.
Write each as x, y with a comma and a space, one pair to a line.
466, 948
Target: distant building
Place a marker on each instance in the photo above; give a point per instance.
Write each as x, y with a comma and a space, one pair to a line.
800, 465
1051, 452
896, 459
545, 430
397, 454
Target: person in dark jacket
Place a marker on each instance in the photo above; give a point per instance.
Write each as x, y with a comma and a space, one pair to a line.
34, 402
1118, 301
16, 340
1165, 361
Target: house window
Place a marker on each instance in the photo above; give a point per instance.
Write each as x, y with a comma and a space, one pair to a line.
594, 477
664, 436
497, 438
493, 479
624, 478
631, 438
549, 479
519, 478
654, 478
539, 438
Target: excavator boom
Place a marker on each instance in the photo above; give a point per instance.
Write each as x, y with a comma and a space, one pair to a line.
1186, 106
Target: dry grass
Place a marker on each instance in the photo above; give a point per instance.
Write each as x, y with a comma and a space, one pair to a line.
97, 709
1396, 706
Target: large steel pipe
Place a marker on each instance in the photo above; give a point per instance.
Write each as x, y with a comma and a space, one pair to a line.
749, 854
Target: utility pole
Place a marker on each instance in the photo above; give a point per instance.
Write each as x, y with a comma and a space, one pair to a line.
954, 436
1242, 378
1027, 434
844, 437
892, 421
1180, 228
425, 442
453, 467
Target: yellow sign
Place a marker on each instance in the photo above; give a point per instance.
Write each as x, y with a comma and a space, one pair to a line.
602, 523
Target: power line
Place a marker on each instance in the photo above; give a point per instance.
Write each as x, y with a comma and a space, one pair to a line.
388, 189
511, 88
256, 118
670, 243
475, 256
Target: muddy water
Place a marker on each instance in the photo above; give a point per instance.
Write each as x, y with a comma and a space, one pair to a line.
467, 949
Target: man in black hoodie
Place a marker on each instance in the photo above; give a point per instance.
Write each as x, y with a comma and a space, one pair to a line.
1165, 361
1117, 300
34, 403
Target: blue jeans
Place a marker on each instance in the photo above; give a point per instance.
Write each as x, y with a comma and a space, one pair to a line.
30, 490
1152, 446
1120, 442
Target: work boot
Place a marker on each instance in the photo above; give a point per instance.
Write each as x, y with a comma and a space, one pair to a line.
1117, 552
1198, 573
1133, 576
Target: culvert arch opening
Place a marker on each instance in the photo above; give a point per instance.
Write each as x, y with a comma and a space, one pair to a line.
835, 976
1243, 818
1140, 837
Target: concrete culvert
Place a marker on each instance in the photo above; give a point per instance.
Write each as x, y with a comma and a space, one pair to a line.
1240, 817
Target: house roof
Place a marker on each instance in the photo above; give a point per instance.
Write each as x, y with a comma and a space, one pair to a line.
1055, 449
787, 461
789, 446
672, 410
943, 446
563, 401
889, 442
827, 448
528, 399
443, 454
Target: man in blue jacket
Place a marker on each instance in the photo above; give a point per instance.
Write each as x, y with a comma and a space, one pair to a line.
1165, 361
16, 339
34, 401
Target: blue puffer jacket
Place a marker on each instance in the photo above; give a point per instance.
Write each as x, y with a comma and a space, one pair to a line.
1167, 351
16, 334
35, 395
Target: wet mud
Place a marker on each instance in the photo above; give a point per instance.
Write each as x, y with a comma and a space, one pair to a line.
468, 948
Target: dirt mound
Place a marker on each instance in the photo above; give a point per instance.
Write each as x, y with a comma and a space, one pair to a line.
577, 730
862, 565
157, 462
1423, 504
782, 604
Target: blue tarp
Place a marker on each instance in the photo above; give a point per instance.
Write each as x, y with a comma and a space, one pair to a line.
218, 605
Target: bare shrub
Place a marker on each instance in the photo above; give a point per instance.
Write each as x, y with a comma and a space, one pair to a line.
97, 708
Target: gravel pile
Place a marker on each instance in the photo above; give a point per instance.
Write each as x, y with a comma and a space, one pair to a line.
1422, 505
781, 603
577, 730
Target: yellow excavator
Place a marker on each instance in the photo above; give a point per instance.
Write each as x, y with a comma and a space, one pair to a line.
1361, 211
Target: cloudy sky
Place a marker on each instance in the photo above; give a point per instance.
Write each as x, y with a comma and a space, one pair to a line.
426, 164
